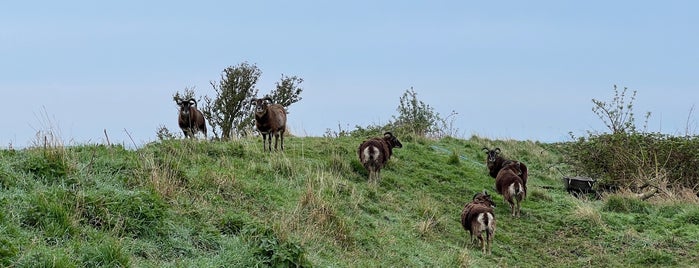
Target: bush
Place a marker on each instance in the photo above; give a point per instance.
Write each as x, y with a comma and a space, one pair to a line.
621, 159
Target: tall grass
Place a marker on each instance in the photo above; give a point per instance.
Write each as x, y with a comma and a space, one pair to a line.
178, 203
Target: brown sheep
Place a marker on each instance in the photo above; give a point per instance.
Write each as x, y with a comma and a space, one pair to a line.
510, 186
270, 119
374, 154
477, 217
495, 162
190, 119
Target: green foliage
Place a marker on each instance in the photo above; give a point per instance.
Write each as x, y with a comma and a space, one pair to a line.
105, 253
232, 223
690, 217
414, 116
49, 164
227, 110
51, 212
45, 258
630, 159
7, 251
138, 214
625, 160
655, 258
453, 159
186, 95
617, 115
287, 91
163, 133
622, 204
183, 203
370, 131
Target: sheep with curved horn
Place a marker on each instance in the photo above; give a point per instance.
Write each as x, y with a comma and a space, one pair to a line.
270, 119
190, 119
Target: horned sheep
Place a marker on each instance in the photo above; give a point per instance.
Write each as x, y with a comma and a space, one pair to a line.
270, 119
190, 119
510, 186
477, 217
494, 161
375, 152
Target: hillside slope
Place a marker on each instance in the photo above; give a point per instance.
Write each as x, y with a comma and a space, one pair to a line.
207, 204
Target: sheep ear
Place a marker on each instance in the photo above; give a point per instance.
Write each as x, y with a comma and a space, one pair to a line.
485, 192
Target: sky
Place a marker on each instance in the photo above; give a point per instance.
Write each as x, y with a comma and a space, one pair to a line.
524, 70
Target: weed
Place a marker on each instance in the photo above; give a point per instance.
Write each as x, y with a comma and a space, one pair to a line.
453, 159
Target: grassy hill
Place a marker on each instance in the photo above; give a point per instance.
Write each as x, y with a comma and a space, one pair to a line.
183, 203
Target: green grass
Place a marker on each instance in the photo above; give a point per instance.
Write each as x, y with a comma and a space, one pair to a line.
182, 203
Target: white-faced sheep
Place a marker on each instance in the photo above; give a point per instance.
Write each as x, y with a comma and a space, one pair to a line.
270, 119
374, 154
510, 186
190, 119
495, 162
477, 217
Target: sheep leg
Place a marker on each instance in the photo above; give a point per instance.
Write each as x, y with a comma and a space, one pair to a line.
282, 138
276, 140
482, 241
264, 141
489, 240
269, 142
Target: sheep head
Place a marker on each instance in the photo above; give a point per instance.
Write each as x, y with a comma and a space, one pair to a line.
492, 154
392, 140
261, 105
185, 106
484, 198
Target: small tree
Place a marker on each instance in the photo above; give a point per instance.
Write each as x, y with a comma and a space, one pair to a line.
415, 116
229, 109
617, 115
188, 94
288, 91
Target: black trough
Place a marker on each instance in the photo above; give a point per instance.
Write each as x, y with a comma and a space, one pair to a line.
578, 185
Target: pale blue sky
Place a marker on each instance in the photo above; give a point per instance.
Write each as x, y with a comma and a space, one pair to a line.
511, 69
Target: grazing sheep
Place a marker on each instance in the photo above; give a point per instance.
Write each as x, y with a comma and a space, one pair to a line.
190, 119
477, 217
374, 153
510, 186
270, 119
495, 162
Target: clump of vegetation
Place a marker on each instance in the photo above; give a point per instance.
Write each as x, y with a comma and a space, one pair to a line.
229, 112
621, 204
628, 159
415, 119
